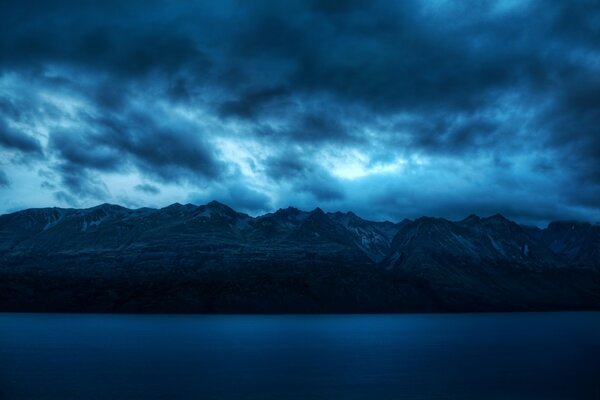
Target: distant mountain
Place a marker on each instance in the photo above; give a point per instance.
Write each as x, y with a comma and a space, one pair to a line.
577, 243
211, 258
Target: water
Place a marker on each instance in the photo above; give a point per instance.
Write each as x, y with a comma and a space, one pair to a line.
467, 356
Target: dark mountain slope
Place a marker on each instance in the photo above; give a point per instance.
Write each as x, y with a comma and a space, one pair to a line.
577, 243
210, 258
488, 263
373, 238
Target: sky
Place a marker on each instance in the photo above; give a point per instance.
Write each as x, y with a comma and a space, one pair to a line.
391, 109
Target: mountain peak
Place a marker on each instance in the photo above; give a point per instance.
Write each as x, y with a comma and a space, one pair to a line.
288, 215
430, 220
317, 211
317, 215
215, 203
497, 217
105, 206
472, 218
288, 211
178, 207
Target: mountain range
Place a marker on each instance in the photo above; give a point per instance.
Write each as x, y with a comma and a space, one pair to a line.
211, 258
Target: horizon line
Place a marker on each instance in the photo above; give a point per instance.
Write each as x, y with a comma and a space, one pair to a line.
497, 214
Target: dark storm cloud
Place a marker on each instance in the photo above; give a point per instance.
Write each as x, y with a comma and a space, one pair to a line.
11, 138
168, 152
574, 120
78, 151
314, 127
573, 123
147, 188
401, 57
390, 54
118, 144
455, 134
252, 102
116, 37
78, 160
64, 197
311, 128
296, 169
508, 88
9, 109
81, 183
3, 180
383, 54
47, 185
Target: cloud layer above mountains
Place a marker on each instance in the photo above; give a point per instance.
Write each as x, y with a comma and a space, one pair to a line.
390, 109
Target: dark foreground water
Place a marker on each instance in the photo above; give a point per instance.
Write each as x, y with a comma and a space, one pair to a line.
468, 356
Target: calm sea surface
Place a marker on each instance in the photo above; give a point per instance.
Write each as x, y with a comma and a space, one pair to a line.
465, 356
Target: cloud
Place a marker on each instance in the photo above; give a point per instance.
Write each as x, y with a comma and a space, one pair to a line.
389, 108
15, 140
4, 182
81, 183
296, 170
77, 150
252, 102
166, 151
64, 197
147, 188
115, 37
126, 142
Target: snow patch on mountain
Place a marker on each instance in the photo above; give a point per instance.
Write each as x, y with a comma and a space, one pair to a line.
54, 219
497, 245
465, 243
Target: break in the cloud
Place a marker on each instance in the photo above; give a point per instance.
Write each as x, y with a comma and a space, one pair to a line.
391, 109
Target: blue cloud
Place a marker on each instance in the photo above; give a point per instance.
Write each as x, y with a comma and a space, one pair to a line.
392, 109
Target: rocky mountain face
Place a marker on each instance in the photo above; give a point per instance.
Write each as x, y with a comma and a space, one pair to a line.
577, 243
210, 258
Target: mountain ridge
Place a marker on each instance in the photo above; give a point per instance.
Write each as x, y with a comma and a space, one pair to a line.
212, 258
213, 203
